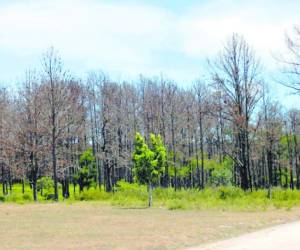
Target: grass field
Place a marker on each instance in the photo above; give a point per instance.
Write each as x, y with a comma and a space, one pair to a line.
94, 225
135, 196
94, 219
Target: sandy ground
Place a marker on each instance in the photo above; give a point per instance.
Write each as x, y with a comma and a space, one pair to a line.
282, 237
87, 225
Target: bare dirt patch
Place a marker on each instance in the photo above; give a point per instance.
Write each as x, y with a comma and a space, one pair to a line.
273, 238
88, 225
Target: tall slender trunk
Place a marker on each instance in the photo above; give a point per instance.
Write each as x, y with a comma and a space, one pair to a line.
270, 172
297, 165
34, 189
23, 185
3, 180
197, 164
53, 142
201, 151
290, 154
9, 180
54, 164
242, 157
174, 153
149, 194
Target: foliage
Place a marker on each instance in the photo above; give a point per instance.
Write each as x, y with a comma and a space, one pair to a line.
130, 195
160, 154
221, 172
148, 163
27, 197
217, 198
87, 174
2, 198
92, 194
175, 204
45, 183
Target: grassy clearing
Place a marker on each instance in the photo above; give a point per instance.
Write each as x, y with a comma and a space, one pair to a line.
134, 196
94, 225
222, 198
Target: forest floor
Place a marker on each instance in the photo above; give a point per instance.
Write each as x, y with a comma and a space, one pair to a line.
94, 225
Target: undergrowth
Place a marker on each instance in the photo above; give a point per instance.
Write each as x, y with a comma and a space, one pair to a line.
136, 196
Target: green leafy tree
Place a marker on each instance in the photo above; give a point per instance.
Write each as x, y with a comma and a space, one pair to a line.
148, 162
160, 154
87, 174
221, 172
45, 184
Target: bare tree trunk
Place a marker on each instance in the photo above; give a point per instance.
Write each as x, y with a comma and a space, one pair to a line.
149, 194
23, 185
3, 179
197, 164
174, 152
53, 151
201, 151
291, 163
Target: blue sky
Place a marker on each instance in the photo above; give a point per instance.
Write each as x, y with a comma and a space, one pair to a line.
126, 38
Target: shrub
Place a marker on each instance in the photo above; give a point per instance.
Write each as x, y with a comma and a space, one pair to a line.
175, 204
27, 197
2, 198
46, 184
218, 198
93, 194
14, 198
230, 192
87, 174
50, 196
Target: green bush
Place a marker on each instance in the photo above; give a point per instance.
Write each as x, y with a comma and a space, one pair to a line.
87, 174
92, 194
2, 198
230, 192
175, 204
14, 198
45, 183
27, 197
50, 197
133, 195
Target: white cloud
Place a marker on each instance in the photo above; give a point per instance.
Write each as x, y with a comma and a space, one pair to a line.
96, 33
263, 24
132, 38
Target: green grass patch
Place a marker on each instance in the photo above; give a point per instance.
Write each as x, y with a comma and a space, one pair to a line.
136, 196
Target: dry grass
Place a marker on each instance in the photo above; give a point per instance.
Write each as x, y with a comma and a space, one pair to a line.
88, 225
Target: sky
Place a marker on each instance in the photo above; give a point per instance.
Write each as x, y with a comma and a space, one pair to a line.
125, 38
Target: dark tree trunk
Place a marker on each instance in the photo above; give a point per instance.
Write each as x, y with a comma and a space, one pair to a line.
201, 151
3, 179
23, 186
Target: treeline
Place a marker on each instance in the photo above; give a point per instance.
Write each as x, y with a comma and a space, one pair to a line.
223, 131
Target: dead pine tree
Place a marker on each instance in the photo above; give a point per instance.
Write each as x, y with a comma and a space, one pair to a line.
236, 71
